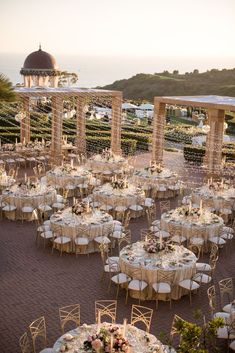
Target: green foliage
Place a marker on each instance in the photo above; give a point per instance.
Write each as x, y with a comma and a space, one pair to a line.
146, 86
6, 89
196, 153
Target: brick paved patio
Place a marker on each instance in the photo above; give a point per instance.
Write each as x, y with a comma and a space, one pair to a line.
35, 283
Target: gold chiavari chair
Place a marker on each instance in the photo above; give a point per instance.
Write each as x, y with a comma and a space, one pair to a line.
151, 216
163, 286
69, 313
126, 219
81, 241
110, 264
226, 291
38, 329
165, 206
146, 234
106, 308
174, 326
24, 343
196, 249
137, 285
141, 314
126, 239
211, 294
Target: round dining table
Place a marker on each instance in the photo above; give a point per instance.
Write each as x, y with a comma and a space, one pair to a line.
139, 341
139, 264
68, 174
192, 223
89, 225
161, 183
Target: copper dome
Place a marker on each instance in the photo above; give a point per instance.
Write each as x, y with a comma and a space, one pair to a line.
40, 61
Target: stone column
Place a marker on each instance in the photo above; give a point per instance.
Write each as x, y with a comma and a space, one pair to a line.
158, 131
56, 129
116, 124
25, 123
214, 141
81, 126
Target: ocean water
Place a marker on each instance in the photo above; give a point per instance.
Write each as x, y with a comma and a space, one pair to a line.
98, 71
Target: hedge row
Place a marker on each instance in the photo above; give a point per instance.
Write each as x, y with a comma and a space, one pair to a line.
197, 153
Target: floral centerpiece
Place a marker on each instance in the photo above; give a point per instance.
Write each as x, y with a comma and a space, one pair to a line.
107, 340
154, 168
153, 246
81, 207
120, 184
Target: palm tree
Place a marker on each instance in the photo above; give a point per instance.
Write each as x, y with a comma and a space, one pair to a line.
6, 90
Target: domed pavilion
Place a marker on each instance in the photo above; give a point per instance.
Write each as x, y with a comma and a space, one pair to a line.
40, 69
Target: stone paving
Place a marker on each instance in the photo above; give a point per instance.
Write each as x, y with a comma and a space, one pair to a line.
34, 282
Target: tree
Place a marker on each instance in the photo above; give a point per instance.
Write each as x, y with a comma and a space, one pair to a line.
67, 78
176, 72
6, 90
195, 71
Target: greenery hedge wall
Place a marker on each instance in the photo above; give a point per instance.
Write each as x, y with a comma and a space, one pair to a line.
196, 153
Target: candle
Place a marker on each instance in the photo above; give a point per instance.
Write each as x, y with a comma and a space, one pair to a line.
74, 200
208, 182
25, 177
160, 240
190, 206
111, 343
124, 328
201, 205
71, 162
98, 320
24, 141
222, 182
16, 141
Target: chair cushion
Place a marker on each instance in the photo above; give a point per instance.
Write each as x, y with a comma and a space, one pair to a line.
121, 278
162, 287
196, 241
120, 208
156, 223
9, 208
117, 234
47, 222
178, 239
112, 259
44, 208
217, 240
136, 284
232, 345
222, 332
111, 268
136, 208
202, 278
81, 241
48, 350
58, 205
201, 266
228, 230
222, 315
106, 207
227, 308
62, 240
47, 234
102, 240
163, 233
227, 236
188, 284
27, 209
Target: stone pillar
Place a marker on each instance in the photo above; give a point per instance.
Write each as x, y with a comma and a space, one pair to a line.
158, 131
81, 126
214, 141
25, 123
116, 124
56, 129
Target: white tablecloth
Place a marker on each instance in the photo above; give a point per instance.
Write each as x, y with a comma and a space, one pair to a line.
97, 163
107, 195
95, 224
139, 340
219, 199
206, 226
137, 263
62, 176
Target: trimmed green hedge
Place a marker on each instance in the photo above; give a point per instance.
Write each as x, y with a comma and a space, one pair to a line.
197, 153
95, 145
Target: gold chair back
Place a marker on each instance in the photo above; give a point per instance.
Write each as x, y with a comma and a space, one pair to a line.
38, 329
226, 289
165, 206
141, 314
69, 313
24, 343
211, 298
174, 327
107, 308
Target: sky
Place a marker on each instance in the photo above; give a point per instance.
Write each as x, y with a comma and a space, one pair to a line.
201, 28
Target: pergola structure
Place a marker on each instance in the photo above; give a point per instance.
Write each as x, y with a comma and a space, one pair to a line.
58, 95
216, 107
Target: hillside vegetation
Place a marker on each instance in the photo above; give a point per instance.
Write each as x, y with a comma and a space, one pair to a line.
146, 86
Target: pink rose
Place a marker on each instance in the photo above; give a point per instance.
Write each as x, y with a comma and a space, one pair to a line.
96, 344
